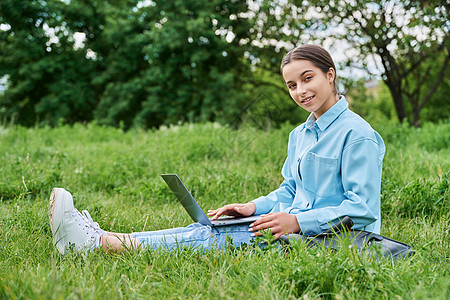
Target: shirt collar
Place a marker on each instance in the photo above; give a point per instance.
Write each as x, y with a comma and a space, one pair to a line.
329, 116
310, 121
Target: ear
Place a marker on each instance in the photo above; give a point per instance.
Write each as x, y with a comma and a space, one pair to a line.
331, 75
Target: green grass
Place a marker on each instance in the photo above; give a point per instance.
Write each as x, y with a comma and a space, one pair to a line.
115, 175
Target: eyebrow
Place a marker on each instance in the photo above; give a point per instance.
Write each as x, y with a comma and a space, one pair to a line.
306, 71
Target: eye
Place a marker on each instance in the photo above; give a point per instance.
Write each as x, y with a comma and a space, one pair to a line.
308, 78
291, 86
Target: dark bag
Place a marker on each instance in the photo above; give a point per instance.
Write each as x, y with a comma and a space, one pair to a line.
333, 237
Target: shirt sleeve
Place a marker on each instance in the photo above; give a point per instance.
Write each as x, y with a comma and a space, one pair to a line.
286, 192
361, 166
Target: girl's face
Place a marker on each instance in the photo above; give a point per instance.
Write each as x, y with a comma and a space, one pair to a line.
310, 88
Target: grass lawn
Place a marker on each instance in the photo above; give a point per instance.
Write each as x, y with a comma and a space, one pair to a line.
115, 175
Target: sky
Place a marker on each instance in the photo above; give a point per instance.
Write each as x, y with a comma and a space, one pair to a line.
3, 81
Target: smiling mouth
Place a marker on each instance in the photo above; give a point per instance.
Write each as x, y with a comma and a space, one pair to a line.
307, 100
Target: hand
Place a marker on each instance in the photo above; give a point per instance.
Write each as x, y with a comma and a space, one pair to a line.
236, 209
278, 223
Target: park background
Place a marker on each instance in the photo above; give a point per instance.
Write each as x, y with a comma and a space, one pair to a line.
100, 97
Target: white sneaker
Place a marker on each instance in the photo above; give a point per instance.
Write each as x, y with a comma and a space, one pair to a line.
95, 225
70, 228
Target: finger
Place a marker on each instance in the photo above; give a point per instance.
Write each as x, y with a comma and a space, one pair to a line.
223, 210
259, 221
260, 232
256, 234
218, 213
262, 226
212, 212
279, 231
277, 235
236, 211
274, 232
263, 219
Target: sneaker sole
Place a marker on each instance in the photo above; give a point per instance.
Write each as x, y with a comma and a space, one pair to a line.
51, 207
58, 203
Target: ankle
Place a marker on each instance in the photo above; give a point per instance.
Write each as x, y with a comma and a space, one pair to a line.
117, 244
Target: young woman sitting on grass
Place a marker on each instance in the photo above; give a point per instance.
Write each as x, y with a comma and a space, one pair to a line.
333, 169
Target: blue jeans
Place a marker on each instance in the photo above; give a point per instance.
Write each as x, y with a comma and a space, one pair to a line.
195, 236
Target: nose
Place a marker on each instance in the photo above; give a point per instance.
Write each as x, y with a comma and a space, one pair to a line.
301, 90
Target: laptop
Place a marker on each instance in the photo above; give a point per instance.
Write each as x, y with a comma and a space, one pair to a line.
194, 210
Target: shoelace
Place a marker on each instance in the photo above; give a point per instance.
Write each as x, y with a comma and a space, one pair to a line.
91, 222
94, 233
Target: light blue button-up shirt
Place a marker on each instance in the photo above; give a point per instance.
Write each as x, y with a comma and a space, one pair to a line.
333, 169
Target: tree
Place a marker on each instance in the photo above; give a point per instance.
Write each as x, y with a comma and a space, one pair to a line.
44, 78
141, 63
173, 61
407, 40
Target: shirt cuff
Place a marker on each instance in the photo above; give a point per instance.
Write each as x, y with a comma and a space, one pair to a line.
307, 221
261, 205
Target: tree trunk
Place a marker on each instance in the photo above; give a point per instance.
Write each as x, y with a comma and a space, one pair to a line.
398, 101
416, 119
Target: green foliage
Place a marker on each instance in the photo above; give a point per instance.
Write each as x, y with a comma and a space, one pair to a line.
141, 64
269, 103
115, 175
45, 79
382, 37
181, 71
420, 198
152, 63
409, 64
374, 104
437, 108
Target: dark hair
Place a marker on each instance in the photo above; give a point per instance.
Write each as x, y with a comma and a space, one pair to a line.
315, 54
